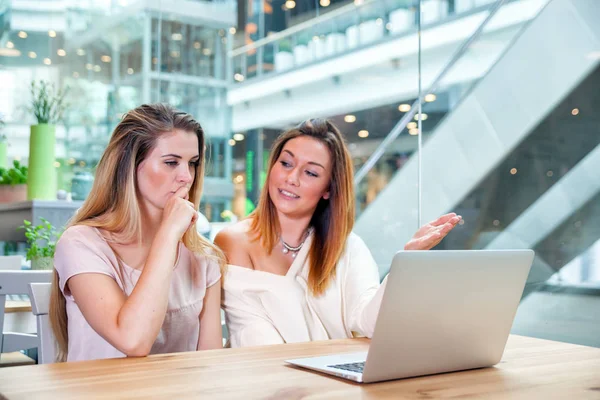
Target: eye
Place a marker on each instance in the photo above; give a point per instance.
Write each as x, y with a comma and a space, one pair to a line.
310, 173
172, 163
285, 164
195, 163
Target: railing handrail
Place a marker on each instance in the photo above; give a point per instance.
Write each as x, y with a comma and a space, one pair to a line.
403, 122
300, 27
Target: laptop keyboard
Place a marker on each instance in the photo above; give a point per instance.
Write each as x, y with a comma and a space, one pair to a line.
354, 367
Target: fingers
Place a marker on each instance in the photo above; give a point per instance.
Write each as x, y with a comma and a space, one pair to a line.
183, 192
443, 219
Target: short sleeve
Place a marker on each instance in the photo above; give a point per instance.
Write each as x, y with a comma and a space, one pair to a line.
213, 272
76, 255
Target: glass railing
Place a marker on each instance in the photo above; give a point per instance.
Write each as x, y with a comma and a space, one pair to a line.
448, 78
346, 29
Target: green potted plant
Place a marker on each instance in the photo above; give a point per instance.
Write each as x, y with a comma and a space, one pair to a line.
13, 183
41, 240
283, 58
48, 106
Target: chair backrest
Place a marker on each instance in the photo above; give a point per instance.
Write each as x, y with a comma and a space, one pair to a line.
39, 293
17, 282
12, 263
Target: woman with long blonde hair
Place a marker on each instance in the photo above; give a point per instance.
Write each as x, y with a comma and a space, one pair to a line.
296, 271
132, 275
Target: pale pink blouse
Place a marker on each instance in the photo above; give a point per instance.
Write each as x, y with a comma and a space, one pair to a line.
82, 249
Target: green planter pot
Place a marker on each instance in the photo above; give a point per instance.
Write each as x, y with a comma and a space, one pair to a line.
3, 154
42, 263
41, 181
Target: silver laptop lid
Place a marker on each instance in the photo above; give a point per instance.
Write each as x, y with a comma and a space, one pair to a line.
446, 311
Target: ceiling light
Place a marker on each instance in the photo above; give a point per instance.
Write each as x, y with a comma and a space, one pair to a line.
9, 52
232, 30
10, 45
32, 54
47, 61
52, 34
238, 77
61, 52
549, 174
496, 222
411, 125
379, 21
363, 133
56, 164
325, 3
22, 34
231, 142
575, 111
106, 59
350, 118
413, 131
423, 116
513, 171
389, 26
404, 107
176, 36
80, 52
430, 97
238, 137
130, 71
207, 52
289, 4
89, 67
197, 45
97, 68
175, 54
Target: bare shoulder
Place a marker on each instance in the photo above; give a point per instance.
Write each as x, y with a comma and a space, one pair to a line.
234, 241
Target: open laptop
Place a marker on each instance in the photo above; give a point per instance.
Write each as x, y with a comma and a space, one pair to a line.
442, 311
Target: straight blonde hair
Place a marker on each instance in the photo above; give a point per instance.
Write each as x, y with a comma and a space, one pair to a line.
332, 220
113, 205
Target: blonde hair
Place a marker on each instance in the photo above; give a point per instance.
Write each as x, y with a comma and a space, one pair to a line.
113, 205
332, 220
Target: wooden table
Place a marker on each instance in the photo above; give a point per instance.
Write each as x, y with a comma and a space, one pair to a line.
531, 369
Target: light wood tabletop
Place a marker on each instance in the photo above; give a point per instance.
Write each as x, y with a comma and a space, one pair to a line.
530, 369
12, 306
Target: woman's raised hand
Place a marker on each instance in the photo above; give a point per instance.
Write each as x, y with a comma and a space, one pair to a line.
429, 235
179, 214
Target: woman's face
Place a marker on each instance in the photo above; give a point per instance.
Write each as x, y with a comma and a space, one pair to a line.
169, 166
300, 177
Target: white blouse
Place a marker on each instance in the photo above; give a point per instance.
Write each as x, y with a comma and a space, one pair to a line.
263, 308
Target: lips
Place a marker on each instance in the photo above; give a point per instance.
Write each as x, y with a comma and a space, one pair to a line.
288, 194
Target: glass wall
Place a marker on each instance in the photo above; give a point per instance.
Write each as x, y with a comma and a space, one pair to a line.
113, 56
516, 160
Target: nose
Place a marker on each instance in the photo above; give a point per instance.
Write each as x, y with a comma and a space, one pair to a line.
185, 175
292, 178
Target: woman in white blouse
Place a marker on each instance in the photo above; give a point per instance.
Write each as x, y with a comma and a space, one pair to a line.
296, 271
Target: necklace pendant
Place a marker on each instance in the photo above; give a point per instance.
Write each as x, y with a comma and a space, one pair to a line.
294, 254
285, 250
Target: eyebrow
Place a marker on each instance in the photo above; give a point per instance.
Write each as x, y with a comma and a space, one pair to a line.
177, 156
310, 162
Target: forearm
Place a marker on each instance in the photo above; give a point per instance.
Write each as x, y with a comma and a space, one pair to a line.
143, 312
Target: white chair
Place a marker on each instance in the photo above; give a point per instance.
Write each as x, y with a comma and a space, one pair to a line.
39, 293
17, 282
